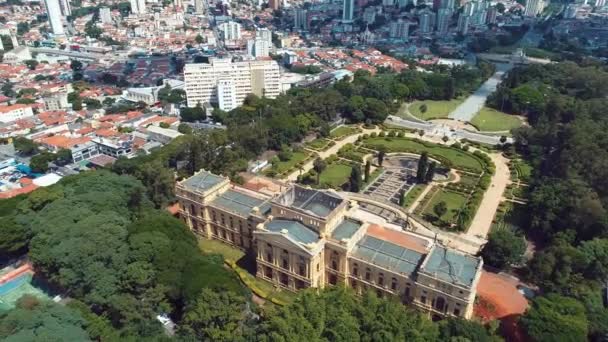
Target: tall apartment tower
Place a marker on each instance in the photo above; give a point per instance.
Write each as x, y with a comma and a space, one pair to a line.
231, 30
274, 4
105, 15
427, 19
65, 7
463, 23
533, 7
53, 11
399, 29
348, 12
199, 7
300, 19
600, 3
202, 81
443, 20
138, 6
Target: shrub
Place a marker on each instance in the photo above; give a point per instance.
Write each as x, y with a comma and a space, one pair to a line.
382, 134
373, 135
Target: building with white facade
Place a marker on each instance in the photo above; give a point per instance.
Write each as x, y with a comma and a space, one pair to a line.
258, 48
226, 95
300, 19
463, 24
138, 6
105, 15
261, 78
427, 19
230, 30
443, 20
65, 7
53, 11
534, 7
15, 112
57, 101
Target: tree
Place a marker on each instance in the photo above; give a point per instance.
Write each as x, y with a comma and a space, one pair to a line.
445, 139
430, 172
215, 316
199, 39
459, 329
381, 154
7, 89
500, 7
31, 63
423, 108
314, 316
193, 114
402, 198
556, 318
319, 165
368, 167
355, 178
108, 102
183, 128
440, 209
503, 139
25, 146
76, 65
423, 163
36, 320
164, 125
503, 248
63, 156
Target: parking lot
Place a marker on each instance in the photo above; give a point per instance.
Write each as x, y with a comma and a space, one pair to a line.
399, 175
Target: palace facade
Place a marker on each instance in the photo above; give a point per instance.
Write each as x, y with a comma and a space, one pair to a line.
310, 238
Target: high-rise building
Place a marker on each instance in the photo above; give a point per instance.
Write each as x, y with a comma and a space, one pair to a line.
348, 11
600, 3
388, 3
447, 4
427, 20
300, 19
258, 47
274, 4
261, 78
443, 20
399, 29
231, 30
463, 24
491, 15
65, 7
138, 6
436, 5
264, 34
105, 15
53, 11
469, 8
199, 6
534, 7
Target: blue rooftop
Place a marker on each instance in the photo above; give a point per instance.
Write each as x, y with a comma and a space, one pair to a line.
240, 203
295, 230
345, 229
202, 181
451, 266
388, 255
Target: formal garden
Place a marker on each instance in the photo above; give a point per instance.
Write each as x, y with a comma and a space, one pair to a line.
287, 161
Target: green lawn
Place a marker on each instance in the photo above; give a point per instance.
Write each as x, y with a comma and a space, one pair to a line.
453, 200
296, 157
335, 175
413, 194
233, 256
435, 109
459, 158
318, 144
468, 179
342, 131
491, 120
524, 170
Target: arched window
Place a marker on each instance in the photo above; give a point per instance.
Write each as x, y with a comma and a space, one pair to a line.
355, 269
381, 279
394, 284
440, 303
368, 274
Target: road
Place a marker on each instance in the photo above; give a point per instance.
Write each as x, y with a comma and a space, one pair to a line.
469, 108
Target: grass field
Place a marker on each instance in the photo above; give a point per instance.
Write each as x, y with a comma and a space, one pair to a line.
342, 131
335, 175
318, 144
296, 157
435, 109
491, 120
235, 255
459, 159
413, 194
453, 200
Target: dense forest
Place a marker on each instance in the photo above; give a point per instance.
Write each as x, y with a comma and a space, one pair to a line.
566, 215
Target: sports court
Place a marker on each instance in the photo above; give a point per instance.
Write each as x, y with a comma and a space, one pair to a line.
16, 282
